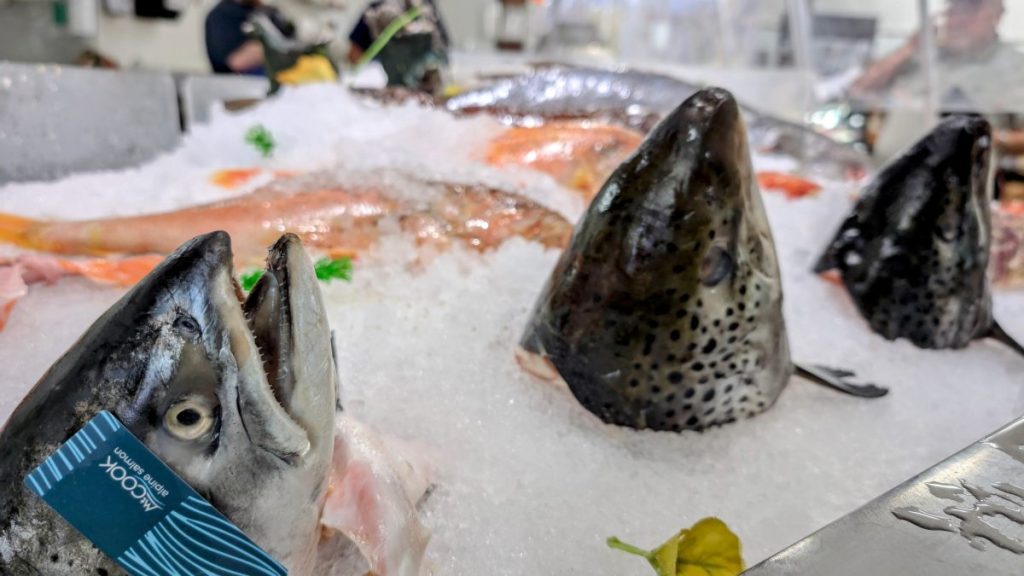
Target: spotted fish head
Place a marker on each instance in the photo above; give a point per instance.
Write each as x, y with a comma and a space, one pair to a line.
665, 311
913, 253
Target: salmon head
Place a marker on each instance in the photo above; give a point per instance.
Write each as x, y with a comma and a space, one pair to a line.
665, 312
236, 397
913, 253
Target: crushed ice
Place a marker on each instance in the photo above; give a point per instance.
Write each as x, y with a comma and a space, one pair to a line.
527, 482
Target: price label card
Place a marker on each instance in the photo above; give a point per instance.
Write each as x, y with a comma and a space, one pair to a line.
120, 496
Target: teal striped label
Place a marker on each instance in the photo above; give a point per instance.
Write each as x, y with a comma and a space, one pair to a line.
120, 496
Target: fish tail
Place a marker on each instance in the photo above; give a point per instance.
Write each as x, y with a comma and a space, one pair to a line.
840, 380
826, 262
15, 229
1000, 335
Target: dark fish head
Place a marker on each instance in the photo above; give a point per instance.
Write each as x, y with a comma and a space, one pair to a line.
913, 253
236, 397
665, 311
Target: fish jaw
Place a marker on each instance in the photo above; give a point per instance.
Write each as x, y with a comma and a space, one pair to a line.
914, 251
179, 341
309, 395
286, 403
666, 310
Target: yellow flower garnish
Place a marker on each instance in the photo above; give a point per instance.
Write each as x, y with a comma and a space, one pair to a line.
708, 548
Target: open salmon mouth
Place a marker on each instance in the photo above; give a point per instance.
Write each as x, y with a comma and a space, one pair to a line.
268, 313
281, 314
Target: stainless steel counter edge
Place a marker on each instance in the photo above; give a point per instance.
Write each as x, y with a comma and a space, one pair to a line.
963, 516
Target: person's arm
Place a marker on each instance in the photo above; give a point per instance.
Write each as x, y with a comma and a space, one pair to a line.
354, 53
246, 57
881, 72
1010, 141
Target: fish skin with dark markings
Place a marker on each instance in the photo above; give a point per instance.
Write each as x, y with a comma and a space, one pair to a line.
914, 251
666, 310
179, 341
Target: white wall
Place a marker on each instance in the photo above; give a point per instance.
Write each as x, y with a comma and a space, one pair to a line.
29, 34
464, 19
1012, 27
895, 17
170, 45
178, 45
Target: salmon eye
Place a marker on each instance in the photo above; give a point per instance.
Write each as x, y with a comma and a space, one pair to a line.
190, 418
187, 324
716, 266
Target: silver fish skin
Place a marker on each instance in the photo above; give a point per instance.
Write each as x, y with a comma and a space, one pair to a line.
639, 100
665, 312
636, 99
238, 399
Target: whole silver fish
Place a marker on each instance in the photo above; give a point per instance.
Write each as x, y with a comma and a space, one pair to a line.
636, 99
238, 398
913, 253
665, 312
640, 100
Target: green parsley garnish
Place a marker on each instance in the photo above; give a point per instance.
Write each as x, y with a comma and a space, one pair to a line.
250, 278
328, 269
261, 139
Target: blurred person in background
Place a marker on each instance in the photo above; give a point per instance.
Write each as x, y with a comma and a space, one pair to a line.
380, 13
976, 70
228, 47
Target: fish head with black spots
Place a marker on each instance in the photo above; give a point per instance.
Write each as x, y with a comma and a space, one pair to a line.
914, 251
666, 310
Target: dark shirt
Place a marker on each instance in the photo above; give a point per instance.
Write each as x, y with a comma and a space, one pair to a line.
362, 36
224, 32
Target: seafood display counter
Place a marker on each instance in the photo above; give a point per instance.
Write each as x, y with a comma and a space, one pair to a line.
497, 333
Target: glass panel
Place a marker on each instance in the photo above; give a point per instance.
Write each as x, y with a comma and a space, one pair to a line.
872, 73
870, 52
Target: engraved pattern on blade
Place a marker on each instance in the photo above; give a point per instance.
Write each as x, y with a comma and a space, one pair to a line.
974, 521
